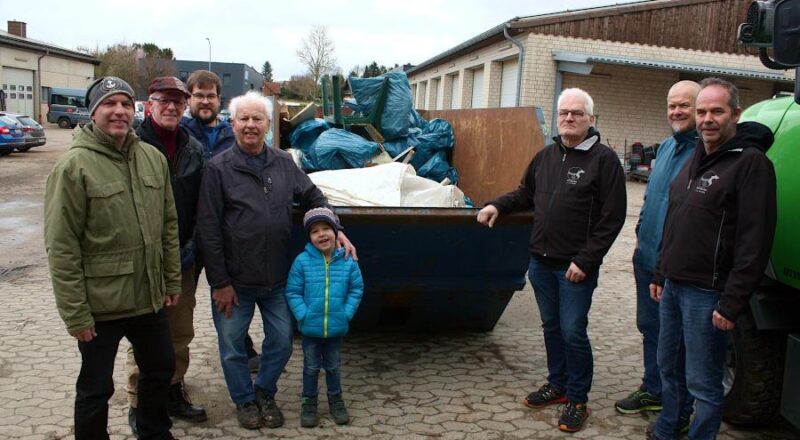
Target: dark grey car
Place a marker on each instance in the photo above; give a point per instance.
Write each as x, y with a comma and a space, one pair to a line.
34, 133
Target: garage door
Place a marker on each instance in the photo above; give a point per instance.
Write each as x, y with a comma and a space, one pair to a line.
455, 92
18, 87
508, 84
477, 87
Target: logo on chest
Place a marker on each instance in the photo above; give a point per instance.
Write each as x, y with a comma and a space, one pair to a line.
574, 174
706, 180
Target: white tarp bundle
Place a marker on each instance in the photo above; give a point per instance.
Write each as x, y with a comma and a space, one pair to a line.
390, 185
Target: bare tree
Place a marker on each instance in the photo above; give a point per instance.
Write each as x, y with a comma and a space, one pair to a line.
136, 63
317, 53
300, 87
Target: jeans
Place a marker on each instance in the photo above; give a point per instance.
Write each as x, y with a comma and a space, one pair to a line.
321, 353
276, 347
647, 321
687, 307
564, 309
152, 347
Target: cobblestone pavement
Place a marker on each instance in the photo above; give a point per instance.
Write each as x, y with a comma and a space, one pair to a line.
449, 386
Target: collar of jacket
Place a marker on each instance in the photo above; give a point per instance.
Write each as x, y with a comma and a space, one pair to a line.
148, 134
337, 252
92, 138
592, 137
239, 155
690, 136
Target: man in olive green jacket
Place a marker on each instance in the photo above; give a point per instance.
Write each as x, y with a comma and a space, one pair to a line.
111, 236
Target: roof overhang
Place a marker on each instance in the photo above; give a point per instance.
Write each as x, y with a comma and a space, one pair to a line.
27, 44
582, 63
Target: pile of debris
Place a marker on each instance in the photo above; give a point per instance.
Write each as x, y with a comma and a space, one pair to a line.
384, 129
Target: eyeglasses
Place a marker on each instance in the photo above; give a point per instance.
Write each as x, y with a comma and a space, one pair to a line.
575, 113
202, 97
179, 102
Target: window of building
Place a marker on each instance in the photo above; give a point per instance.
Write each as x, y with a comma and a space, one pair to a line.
226, 79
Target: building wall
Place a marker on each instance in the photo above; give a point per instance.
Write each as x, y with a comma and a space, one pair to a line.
630, 102
55, 72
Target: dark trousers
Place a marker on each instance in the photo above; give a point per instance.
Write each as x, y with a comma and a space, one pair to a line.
152, 348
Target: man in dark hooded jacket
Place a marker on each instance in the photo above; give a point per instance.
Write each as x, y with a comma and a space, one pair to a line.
184, 155
576, 187
717, 238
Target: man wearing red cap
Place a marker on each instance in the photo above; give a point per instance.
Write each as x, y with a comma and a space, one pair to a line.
184, 154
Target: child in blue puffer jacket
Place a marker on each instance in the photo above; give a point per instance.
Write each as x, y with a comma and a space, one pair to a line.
323, 291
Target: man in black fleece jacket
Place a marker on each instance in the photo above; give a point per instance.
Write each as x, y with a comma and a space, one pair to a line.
717, 238
576, 188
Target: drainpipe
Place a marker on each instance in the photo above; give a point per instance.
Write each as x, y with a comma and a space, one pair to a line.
38, 91
520, 58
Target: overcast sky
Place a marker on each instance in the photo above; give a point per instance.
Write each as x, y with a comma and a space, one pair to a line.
251, 32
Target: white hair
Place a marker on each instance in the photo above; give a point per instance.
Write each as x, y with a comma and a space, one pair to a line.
587, 100
251, 97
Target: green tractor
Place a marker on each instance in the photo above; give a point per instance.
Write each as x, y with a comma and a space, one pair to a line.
762, 376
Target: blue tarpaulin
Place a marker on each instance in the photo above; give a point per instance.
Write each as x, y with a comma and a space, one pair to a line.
337, 149
397, 111
306, 133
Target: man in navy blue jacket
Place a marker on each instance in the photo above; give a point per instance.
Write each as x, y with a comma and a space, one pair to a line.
672, 155
215, 134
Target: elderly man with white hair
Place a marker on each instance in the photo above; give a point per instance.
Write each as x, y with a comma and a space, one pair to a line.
244, 224
576, 188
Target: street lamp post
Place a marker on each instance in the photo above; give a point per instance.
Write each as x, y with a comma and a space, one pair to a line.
209, 53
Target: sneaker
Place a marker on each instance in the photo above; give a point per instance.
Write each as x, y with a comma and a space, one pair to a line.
683, 425
547, 395
248, 415
638, 401
338, 410
132, 421
308, 412
270, 413
683, 428
573, 416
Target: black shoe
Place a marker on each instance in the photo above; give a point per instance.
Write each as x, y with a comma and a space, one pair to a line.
338, 409
248, 415
270, 413
132, 421
638, 401
253, 363
308, 412
683, 428
181, 407
573, 416
547, 395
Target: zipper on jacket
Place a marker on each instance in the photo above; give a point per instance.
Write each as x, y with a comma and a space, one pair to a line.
715, 272
552, 197
327, 285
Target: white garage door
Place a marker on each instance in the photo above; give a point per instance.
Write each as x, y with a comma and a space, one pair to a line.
455, 92
508, 84
477, 87
18, 87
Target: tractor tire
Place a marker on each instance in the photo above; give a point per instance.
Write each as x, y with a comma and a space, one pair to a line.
753, 374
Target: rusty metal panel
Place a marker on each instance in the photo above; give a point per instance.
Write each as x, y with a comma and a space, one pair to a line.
493, 147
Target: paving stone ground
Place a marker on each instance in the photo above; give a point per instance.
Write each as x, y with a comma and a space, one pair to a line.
403, 386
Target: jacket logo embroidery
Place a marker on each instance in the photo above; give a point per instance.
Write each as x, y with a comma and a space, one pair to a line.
706, 180
574, 174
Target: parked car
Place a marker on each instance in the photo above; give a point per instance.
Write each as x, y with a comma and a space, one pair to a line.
11, 135
34, 133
